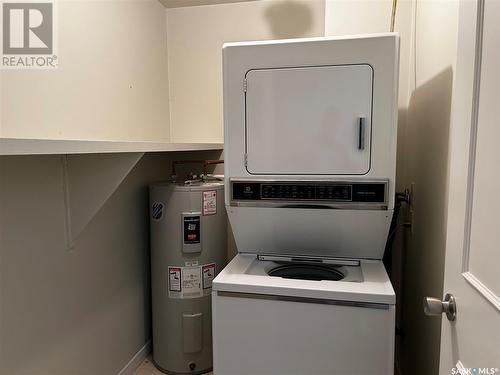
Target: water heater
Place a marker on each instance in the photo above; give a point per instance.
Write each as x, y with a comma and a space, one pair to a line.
188, 248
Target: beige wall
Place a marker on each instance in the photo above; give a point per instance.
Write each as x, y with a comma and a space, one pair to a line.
426, 150
195, 38
111, 83
347, 17
116, 82
79, 311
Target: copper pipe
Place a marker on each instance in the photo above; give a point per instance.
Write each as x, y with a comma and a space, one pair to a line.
210, 162
393, 15
205, 164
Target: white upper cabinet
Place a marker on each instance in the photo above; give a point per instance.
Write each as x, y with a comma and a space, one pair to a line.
319, 116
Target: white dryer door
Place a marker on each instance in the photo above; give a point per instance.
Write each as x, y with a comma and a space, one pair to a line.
309, 120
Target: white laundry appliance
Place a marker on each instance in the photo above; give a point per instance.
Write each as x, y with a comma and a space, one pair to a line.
310, 156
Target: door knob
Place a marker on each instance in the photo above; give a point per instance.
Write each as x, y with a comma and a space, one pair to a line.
434, 306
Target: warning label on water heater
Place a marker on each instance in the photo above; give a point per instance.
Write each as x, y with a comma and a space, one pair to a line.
208, 271
209, 202
174, 279
190, 282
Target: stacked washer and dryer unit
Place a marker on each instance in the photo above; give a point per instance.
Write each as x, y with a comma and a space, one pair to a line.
310, 157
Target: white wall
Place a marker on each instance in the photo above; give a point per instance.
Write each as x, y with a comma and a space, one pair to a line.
80, 311
195, 38
111, 83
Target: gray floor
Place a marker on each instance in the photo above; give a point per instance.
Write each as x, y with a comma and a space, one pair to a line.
148, 368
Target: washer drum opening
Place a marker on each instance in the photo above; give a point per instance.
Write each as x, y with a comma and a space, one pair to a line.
315, 272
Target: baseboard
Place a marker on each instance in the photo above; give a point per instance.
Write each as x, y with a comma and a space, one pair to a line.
136, 360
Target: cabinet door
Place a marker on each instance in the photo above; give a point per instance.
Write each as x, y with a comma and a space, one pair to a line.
309, 120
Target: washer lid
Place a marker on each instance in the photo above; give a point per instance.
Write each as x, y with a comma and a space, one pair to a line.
311, 232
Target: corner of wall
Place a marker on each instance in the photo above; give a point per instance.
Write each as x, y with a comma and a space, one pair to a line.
171, 137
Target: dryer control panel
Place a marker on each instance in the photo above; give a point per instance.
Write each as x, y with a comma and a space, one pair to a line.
293, 191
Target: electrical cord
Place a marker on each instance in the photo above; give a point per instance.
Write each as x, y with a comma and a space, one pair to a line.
401, 197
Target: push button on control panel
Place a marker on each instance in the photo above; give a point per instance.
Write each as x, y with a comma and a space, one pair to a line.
275, 191
306, 192
334, 192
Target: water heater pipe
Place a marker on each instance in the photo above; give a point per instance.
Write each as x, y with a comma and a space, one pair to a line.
205, 164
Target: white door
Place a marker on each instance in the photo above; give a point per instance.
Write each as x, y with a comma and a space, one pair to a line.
471, 343
309, 120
